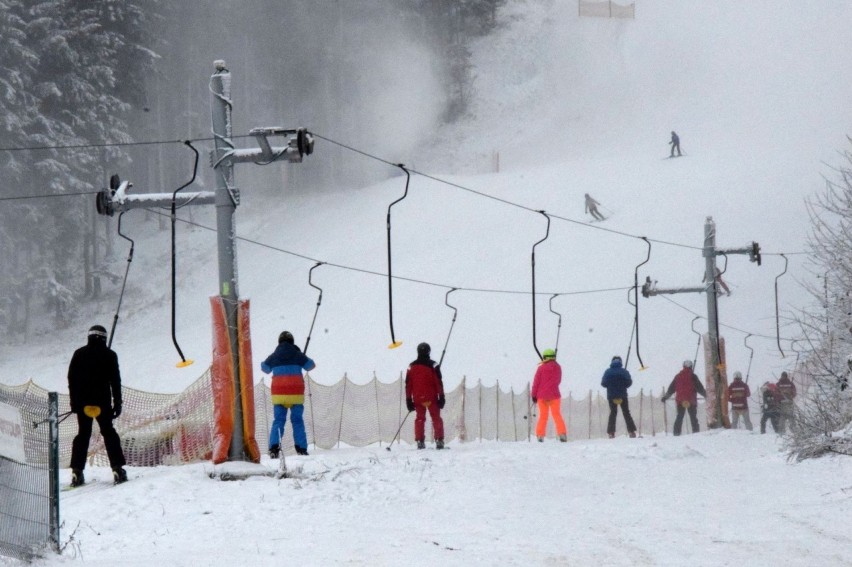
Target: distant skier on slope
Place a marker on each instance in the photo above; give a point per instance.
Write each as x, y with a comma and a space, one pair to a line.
675, 144
592, 208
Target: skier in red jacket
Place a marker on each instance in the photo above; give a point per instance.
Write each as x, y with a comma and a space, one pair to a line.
545, 393
424, 391
685, 388
786, 408
738, 394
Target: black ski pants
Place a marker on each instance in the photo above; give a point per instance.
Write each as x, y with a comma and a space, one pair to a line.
80, 445
693, 418
625, 411
773, 418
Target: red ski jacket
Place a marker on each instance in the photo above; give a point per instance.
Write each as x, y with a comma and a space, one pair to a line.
738, 394
686, 386
423, 382
786, 389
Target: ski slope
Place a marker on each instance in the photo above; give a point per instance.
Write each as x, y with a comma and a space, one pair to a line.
717, 498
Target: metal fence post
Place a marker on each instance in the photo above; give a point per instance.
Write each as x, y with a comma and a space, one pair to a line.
53, 466
342, 405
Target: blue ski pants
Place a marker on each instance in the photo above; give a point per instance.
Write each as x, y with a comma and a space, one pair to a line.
300, 439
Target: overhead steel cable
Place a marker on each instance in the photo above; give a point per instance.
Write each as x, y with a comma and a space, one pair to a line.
401, 278
743, 331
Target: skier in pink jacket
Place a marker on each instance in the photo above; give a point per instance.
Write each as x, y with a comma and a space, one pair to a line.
545, 393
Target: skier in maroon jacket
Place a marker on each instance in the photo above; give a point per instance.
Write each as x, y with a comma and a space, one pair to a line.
738, 394
786, 408
685, 388
424, 391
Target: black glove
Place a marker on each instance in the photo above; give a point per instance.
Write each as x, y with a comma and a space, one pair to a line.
663, 399
441, 401
116, 411
535, 400
409, 403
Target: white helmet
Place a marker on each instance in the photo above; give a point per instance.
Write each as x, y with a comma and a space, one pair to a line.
738, 374
687, 364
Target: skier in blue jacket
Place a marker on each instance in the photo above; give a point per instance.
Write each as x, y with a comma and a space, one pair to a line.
616, 380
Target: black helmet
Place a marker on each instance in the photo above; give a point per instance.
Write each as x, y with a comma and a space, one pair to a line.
98, 331
286, 337
423, 349
616, 357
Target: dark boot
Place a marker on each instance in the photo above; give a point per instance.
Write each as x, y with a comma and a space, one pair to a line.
439, 443
301, 450
274, 451
421, 444
119, 475
77, 478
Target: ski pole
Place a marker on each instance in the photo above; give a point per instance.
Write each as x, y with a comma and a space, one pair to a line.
398, 430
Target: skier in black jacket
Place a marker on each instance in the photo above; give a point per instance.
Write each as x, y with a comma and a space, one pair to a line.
675, 144
94, 385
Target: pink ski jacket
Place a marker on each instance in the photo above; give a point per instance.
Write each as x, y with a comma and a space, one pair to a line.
546, 382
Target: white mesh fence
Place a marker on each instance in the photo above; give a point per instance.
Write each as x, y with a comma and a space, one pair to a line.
160, 429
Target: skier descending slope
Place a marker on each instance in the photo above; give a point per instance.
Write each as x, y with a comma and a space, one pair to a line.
592, 208
675, 144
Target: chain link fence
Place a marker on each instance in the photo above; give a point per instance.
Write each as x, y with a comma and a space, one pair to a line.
29, 502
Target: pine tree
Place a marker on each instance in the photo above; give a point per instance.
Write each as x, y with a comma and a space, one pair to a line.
76, 67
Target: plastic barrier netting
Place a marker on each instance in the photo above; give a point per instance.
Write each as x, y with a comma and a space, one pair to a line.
158, 429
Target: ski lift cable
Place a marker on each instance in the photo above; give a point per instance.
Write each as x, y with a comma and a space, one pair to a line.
184, 362
394, 342
401, 278
124, 282
558, 323
498, 199
319, 302
636, 299
750, 356
546, 235
447, 286
743, 331
452, 324
777, 318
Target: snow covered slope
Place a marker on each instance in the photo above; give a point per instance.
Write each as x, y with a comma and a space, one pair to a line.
721, 497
